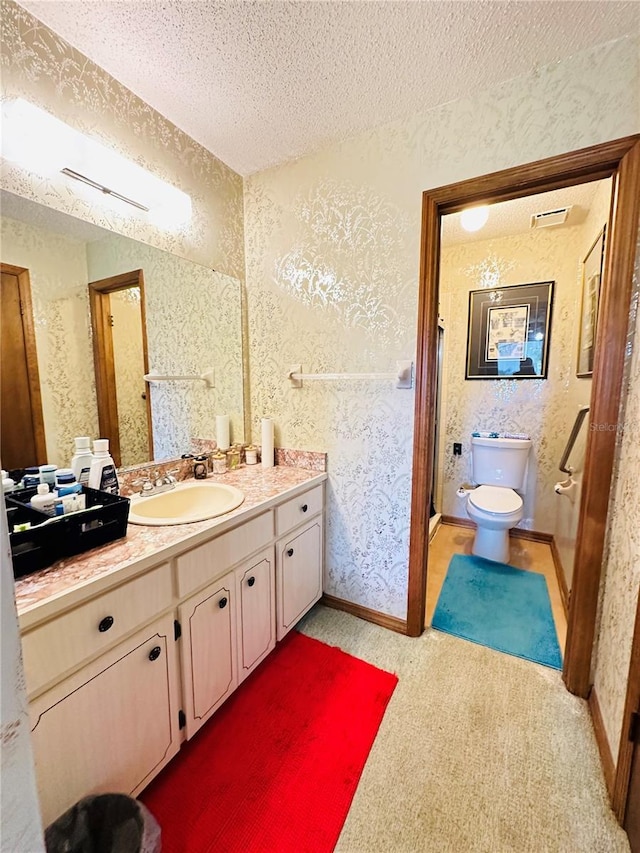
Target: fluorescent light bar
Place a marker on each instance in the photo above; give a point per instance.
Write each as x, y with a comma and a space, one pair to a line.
40, 143
78, 177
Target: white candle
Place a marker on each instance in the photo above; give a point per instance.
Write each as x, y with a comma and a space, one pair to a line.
222, 432
267, 442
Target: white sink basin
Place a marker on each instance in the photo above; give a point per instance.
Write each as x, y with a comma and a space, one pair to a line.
186, 503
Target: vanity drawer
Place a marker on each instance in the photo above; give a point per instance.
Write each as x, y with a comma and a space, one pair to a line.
52, 649
212, 560
299, 509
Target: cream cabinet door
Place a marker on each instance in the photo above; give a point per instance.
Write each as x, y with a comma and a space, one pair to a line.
256, 584
209, 670
110, 727
299, 576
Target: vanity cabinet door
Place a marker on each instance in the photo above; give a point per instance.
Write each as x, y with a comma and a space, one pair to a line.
299, 575
110, 727
209, 669
256, 585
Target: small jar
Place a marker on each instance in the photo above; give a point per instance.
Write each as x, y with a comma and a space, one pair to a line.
200, 467
48, 475
251, 455
219, 463
233, 458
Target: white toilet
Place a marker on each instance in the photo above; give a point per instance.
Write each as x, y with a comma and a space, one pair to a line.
499, 467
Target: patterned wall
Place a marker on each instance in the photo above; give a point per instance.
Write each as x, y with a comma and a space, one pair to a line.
58, 272
332, 254
621, 573
193, 324
38, 65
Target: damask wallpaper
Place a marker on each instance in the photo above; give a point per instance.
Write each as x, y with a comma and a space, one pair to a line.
129, 369
621, 571
332, 257
41, 67
58, 274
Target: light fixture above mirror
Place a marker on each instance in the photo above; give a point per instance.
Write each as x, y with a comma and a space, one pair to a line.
473, 218
92, 165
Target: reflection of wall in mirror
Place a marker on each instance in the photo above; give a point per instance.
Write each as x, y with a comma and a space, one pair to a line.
58, 271
193, 324
129, 369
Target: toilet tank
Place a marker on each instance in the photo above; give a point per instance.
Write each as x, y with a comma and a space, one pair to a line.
500, 461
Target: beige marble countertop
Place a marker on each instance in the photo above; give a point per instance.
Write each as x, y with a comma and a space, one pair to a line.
69, 581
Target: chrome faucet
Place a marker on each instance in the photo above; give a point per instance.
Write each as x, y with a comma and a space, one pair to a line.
155, 482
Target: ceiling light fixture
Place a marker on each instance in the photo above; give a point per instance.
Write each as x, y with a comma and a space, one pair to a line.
473, 218
38, 142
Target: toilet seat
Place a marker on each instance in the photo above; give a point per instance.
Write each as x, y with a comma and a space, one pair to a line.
495, 500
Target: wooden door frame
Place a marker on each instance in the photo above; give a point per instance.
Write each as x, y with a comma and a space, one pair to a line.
99, 301
622, 778
31, 357
619, 159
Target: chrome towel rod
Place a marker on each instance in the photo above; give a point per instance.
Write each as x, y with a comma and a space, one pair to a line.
207, 378
403, 375
582, 413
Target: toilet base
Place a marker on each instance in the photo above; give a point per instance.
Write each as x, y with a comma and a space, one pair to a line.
491, 544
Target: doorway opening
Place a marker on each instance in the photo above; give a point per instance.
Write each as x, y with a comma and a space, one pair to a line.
121, 360
619, 160
518, 363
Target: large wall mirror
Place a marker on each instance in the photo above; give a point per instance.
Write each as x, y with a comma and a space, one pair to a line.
158, 312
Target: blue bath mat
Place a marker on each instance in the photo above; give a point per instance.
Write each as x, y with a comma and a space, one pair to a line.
500, 607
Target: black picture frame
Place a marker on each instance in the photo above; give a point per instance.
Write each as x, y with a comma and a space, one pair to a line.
509, 331
591, 284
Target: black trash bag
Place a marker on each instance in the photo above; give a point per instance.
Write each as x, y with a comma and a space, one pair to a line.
104, 823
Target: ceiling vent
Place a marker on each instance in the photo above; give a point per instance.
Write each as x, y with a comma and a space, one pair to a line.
550, 217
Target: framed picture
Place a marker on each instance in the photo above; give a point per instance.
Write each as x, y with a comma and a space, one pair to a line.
509, 331
591, 280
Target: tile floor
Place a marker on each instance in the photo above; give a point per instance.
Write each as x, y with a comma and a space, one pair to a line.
450, 539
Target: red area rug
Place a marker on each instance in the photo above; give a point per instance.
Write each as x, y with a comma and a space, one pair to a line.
276, 768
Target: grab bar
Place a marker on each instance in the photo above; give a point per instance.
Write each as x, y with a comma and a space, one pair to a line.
582, 413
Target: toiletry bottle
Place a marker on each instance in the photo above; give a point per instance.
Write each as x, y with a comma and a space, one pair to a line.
82, 459
7, 483
48, 475
66, 483
44, 500
102, 475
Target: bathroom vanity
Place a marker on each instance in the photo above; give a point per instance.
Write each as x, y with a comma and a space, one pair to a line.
129, 649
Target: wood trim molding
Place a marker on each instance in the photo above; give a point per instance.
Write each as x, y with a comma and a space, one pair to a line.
99, 300
392, 623
31, 357
560, 576
620, 159
606, 392
602, 740
632, 703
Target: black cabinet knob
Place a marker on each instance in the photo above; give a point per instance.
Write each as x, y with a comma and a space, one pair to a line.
222, 603
251, 581
105, 624
155, 652
304, 507
290, 552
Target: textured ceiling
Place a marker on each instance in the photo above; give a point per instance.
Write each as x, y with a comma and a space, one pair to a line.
514, 217
259, 83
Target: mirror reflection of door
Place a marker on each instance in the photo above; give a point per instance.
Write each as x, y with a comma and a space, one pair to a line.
23, 439
120, 357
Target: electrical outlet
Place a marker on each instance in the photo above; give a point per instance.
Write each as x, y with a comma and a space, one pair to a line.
457, 448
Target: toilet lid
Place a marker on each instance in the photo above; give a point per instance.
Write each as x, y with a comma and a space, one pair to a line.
495, 499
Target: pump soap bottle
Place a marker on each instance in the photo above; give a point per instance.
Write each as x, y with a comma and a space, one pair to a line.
103, 470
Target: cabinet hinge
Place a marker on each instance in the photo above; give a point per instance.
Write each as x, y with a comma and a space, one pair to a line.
177, 630
182, 719
634, 727
111, 320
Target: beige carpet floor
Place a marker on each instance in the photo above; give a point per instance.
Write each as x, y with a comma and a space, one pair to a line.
478, 752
